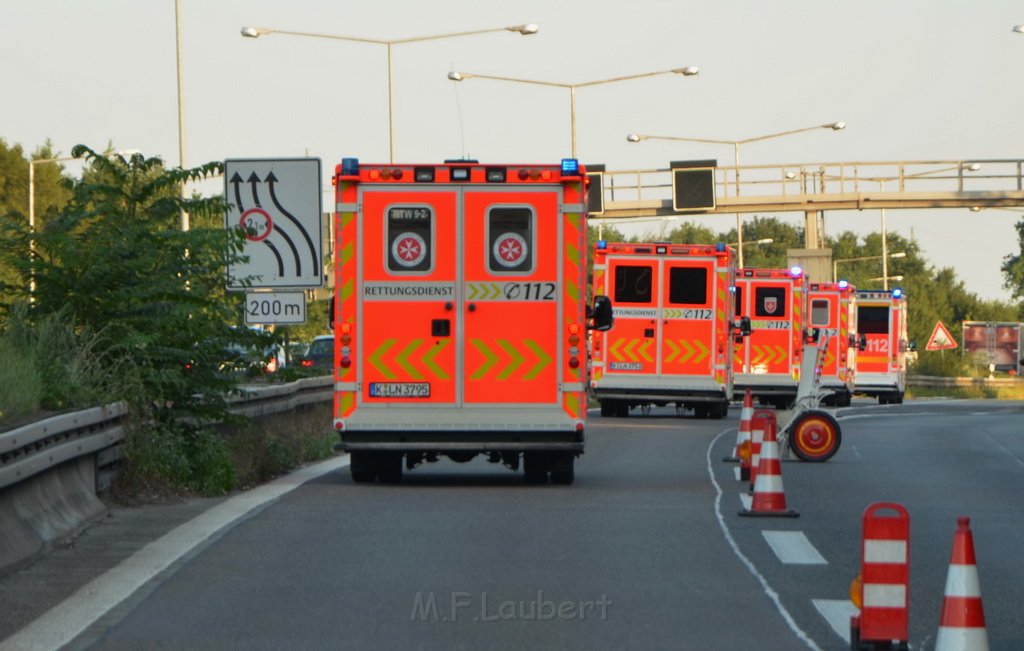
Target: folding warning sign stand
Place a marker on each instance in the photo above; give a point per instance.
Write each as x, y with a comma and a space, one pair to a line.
884, 591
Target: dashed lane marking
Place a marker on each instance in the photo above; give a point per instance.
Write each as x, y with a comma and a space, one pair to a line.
765, 586
837, 613
793, 548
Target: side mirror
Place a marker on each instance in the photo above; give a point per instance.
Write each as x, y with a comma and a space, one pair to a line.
744, 326
912, 347
601, 314
862, 343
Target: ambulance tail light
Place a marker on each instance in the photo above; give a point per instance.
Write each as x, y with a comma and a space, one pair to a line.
346, 362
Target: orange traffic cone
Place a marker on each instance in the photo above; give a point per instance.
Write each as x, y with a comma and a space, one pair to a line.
769, 496
962, 627
743, 433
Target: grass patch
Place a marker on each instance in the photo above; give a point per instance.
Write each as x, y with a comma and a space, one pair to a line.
175, 461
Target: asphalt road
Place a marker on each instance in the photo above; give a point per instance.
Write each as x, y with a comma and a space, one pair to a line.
645, 550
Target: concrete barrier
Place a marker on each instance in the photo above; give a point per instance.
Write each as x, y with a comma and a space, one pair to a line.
39, 514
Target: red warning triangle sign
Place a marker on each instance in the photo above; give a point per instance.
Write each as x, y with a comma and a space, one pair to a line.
940, 339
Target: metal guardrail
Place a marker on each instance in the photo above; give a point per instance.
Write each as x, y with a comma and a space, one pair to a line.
29, 450
34, 448
925, 381
969, 183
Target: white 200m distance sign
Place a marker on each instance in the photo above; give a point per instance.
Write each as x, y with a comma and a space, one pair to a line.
278, 203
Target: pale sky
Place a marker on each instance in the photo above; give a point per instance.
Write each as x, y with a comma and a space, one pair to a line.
912, 79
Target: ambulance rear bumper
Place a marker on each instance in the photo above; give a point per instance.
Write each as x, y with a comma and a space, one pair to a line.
433, 441
661, 395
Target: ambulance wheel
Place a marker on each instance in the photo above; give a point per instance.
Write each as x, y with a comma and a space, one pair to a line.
362, 466
621, 409
535, 467
720, 411
701, 411
563, 469
607, 409
898, 398
815, 436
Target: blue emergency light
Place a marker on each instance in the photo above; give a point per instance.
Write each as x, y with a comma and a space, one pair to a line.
720, 247
570, 166
602, 244
843, 284
350, 166
896, 293
796, 272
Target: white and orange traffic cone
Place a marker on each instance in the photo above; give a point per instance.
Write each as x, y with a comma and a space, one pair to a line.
962, 627
769, 496
743, 433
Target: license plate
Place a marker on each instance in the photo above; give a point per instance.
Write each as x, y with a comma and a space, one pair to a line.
399, 390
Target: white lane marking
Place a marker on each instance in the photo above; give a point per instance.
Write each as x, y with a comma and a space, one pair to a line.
837, 612
769, 592
793, 548
67, 620
747, 500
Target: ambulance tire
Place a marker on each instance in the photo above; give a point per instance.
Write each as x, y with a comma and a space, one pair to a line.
898, 399
362, 466
563, 470
720, 411
621, 409
815, 436
700, 411
607, 409
535, 467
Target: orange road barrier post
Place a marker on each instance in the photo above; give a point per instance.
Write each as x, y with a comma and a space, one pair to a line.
882, 589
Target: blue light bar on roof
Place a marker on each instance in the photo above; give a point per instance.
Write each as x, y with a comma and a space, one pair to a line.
350, 166
602, 244
570, 166
896, 293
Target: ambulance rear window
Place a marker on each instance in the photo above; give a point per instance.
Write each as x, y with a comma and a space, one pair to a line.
410, 238
873, 320
770, 301
820, 312
688, 286
510, 239
632, 284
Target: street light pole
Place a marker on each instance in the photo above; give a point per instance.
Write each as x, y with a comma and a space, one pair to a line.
256, 32
834, 126
688, 71
899, 254
181, 108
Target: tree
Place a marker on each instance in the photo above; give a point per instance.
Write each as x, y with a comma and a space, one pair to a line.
1013, 271
115, 258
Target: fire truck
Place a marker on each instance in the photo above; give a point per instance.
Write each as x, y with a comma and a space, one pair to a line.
674, 327
833, 313
882, 364
768, 361
460, 316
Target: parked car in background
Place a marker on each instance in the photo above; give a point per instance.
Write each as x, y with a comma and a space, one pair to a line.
320, 354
